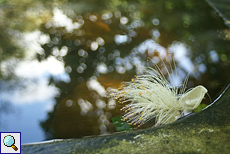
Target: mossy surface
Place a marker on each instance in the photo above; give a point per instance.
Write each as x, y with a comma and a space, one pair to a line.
205, 132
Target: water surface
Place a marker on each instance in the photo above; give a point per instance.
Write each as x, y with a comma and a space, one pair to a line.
58, 59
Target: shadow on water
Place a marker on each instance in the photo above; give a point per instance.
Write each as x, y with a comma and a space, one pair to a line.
99, 44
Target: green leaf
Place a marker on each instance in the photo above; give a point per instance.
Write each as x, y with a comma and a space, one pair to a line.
120, 125
200, 107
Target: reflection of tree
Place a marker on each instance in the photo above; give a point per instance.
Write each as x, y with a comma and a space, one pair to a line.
80, 62
16, 18
91, 43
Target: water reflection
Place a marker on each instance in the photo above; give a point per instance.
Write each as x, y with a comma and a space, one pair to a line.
94, 48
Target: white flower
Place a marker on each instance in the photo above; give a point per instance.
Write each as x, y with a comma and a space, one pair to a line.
151, 95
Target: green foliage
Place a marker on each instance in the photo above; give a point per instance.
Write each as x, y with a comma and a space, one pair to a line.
120, 125
200, 108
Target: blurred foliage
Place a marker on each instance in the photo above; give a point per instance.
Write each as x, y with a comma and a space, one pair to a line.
18, 17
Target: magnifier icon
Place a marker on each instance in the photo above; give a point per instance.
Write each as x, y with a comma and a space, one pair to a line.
9, 141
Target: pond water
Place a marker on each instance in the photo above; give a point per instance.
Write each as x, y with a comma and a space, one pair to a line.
58, 59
